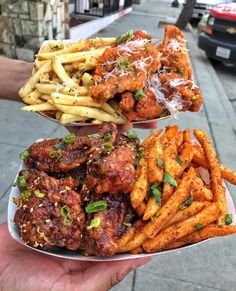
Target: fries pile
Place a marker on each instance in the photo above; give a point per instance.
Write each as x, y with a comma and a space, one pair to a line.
176, 202
60, 84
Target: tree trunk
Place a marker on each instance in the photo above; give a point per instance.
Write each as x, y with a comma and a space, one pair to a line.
185, 14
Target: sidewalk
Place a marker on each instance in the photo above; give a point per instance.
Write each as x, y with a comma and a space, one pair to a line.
207, 267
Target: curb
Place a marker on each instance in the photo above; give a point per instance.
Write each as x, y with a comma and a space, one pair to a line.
89, 28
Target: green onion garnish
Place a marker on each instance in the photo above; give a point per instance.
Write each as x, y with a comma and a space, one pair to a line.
107, 136
38, 194
198, 226
147, 48
94, 223
56, 154
20, 181
107, 146
59, 145
94, 135
66, 213
132, 133
97, 206
26, 195
179, 161
159, 162
163, 114
187, 202
139, 94
69, 138
228, 219
24, 155
169, 179
128, 35
127, 224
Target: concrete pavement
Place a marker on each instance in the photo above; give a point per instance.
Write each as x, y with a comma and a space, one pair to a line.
206, 267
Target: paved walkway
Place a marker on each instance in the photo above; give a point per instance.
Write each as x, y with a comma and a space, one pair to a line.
209, 266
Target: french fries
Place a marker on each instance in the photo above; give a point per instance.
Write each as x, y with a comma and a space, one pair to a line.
62, 77
194, 210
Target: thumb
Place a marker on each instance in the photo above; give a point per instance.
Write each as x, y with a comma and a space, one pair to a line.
105, 275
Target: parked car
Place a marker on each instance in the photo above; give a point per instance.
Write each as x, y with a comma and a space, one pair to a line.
218, 39
204, 6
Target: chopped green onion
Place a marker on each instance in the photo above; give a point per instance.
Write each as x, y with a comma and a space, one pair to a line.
159, 162
163, 114
94, 223
38, 194
147, 48
107, 146
139, 156
20, 181
128, 35
123, 64
24, 155
107, 136
71, 90
132, 133
169, 179
59, 145
198, 226
94, 135
228, 219
179, 161
69, 138
187, 202
97, 206
139, 94
26, 195
127, 224
56, 155
66, 213
157, 196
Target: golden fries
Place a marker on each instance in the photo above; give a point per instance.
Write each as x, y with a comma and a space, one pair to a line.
62, 77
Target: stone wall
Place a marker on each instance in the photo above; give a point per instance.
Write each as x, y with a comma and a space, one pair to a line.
25, 24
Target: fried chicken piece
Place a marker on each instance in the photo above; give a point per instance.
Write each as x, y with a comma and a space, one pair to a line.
111, 169
49, 212
145, 108
172, 84
125, 67
112, 224
175, 56
54, 155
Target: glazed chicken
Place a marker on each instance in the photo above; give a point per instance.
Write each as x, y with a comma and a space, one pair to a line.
63, 155
111, 169
125, 67
49, 212
112, 223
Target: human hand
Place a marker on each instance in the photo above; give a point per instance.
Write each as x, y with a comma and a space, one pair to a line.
24, 269
84, 130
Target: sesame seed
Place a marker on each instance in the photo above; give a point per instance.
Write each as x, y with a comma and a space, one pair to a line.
40, 205
47, 220
31, 209
55, 204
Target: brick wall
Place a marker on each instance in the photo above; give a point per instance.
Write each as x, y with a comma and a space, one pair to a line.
25, 24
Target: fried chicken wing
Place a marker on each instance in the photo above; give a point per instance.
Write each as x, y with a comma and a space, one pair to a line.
112, 223
111, 169
49, 212
125, 67
55, 155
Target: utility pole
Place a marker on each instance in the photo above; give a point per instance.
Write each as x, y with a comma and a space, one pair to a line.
185, 14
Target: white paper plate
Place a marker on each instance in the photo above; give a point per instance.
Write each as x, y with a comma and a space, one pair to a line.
66, 254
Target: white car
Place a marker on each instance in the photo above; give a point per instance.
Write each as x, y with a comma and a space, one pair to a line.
203, 7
